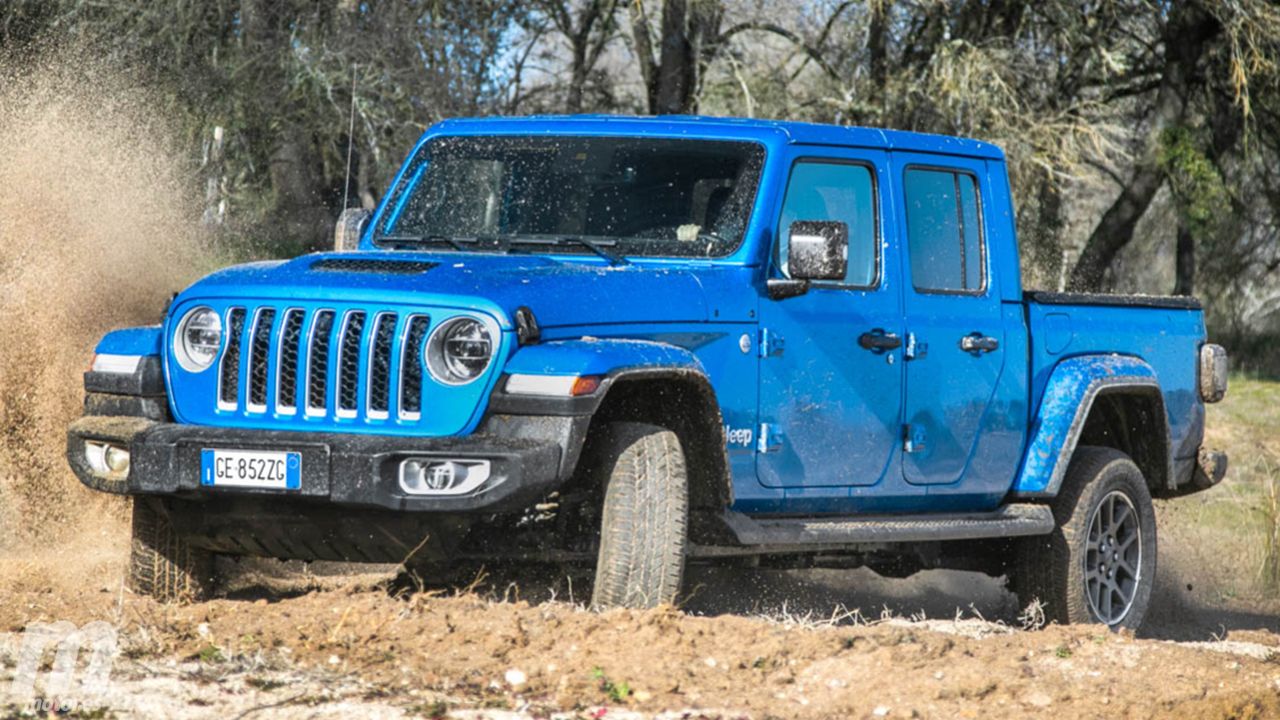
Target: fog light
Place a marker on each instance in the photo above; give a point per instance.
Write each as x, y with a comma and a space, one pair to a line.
106, 458
117, 459
442, 476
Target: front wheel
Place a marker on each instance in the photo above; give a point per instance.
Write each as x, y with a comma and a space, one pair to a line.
1099, 565
162, 564
643, 527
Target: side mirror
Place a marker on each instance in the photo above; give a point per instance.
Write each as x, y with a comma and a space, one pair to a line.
818, 250
346, 233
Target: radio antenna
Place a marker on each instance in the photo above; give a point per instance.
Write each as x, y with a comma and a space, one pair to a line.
351, 132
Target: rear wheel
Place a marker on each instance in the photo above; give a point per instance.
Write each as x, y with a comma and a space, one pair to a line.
162, 564
644, 520
1099, 565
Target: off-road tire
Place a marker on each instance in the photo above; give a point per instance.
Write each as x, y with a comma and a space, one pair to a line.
162, 564
643, 527
1051, 568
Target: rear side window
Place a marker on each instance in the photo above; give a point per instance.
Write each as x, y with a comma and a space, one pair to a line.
843, 192
944, 233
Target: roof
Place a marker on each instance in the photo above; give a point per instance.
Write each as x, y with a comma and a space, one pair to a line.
724, 128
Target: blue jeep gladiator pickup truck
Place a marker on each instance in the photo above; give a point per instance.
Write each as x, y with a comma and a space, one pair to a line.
634, 344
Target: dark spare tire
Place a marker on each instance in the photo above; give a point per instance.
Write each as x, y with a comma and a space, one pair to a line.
1099, 565
644, 520
162, 564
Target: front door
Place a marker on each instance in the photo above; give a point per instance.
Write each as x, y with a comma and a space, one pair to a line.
955, 348
831, 372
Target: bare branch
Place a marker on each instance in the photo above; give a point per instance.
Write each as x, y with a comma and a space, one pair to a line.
767, 27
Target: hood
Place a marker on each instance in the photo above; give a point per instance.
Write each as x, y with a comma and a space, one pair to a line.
560, 292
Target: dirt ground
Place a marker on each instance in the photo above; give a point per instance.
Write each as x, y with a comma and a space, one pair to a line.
291, 643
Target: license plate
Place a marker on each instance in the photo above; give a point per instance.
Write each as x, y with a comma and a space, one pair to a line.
251, 469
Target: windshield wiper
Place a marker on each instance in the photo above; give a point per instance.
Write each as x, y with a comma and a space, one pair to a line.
595, 246
457, 243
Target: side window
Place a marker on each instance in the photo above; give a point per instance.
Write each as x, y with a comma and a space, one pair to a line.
843, 192
944, 233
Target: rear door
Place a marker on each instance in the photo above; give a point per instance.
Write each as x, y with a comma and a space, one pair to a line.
955, 350
831, 409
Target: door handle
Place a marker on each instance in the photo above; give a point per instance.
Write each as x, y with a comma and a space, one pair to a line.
879, 341
976, 343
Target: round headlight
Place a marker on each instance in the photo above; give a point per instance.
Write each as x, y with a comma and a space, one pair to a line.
459, 351
199, 339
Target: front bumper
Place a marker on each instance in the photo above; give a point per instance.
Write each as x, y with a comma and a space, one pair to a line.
356, 471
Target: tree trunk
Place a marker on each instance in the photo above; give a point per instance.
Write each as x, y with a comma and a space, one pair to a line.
364, 180
298, 212
877, 48
1042, 249
673, 76
583, 54
1186, 35
677, 66
642, 43
1185, 272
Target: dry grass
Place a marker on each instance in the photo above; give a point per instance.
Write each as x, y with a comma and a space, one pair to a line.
1271, 537
1227, 540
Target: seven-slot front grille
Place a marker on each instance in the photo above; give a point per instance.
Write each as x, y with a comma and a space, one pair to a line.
259, 350
349, 363
290, 351
380, 365
340, 363
411, 378
229, 373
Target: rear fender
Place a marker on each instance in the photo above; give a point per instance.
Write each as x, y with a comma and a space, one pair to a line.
1070, 395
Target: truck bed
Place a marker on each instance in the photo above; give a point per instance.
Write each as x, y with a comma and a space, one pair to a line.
1165, 332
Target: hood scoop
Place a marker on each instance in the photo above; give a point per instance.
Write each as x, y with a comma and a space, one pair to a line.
372, 265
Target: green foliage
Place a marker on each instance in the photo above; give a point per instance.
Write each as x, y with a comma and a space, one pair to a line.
1197, 186
210, 653
617, 692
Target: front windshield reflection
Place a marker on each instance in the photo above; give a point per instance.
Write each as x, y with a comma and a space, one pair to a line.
611, 196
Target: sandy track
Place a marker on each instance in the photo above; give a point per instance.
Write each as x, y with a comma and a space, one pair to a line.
333, 647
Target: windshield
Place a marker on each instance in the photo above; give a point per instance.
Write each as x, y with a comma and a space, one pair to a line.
614, 196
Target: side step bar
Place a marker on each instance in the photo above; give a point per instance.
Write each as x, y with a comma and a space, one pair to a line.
1015, 519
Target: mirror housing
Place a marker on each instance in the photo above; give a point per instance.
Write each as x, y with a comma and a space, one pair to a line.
346, 232
818, 250
783, 288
